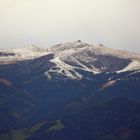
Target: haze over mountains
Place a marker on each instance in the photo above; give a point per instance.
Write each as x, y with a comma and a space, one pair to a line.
71, 91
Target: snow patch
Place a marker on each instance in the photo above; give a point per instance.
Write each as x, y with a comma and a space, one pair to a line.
64, 69
134, 65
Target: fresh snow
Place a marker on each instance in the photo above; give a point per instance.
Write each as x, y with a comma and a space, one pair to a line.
20, 54
70, 57
65, 69
134, 65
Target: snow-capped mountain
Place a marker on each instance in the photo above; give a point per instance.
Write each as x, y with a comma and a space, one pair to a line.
95, 58
21, 54
69, 91
69, 58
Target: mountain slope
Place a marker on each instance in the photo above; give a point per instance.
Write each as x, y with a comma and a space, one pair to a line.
70, 58
95, 58
20, 54
70, 91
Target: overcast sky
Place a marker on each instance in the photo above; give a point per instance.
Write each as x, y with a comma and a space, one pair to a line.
114, 23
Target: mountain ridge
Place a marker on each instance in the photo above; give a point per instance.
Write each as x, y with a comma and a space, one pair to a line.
75, 91
71, 57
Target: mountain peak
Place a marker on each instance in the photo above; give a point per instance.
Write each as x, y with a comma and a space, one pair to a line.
72, 56
94, 58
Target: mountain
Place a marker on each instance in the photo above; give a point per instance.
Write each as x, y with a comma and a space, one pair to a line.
20, 54
69, 91
69, 58
96, 58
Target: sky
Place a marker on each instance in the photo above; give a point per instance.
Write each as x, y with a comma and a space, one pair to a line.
113, 23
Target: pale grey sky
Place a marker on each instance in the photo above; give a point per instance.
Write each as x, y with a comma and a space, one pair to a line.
114, 23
